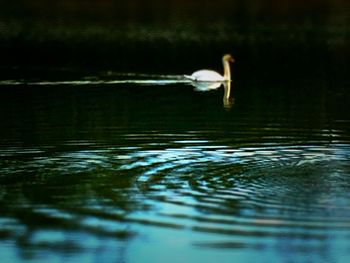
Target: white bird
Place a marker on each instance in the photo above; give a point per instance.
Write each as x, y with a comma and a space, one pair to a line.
206, 75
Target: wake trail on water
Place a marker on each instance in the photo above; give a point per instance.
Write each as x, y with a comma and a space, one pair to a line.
128, 78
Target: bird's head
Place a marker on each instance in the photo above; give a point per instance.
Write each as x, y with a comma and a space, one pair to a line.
228, 58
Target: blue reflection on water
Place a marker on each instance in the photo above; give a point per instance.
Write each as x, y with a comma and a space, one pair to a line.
136, 182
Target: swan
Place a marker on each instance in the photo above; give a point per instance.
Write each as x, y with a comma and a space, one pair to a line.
206, 75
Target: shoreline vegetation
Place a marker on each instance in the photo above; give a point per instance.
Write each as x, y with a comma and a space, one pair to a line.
107, 34
20, 41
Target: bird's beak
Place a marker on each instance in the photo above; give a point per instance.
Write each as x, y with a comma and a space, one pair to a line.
232, 60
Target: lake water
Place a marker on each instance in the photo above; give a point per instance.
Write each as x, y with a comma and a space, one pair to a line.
130, 167
108, 155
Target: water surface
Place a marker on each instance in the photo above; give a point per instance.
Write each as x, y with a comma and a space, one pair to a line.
139, 168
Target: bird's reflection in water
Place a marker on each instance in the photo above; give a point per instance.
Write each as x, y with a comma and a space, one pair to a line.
228, 99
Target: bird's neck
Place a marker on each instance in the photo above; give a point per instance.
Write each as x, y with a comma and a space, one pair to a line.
227, 72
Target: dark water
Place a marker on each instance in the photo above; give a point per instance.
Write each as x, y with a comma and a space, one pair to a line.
108, 155
145, 168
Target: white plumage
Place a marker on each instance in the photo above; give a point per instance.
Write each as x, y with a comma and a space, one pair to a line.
206, 75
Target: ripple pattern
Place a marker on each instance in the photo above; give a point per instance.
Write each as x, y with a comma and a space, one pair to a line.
235, 195
272, 192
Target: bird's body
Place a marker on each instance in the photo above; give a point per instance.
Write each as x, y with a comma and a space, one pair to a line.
206, 75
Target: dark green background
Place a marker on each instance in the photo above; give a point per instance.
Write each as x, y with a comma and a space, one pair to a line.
175, 35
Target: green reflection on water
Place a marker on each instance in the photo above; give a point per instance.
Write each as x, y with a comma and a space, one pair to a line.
88, 169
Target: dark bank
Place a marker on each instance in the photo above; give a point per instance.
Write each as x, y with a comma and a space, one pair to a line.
174, 35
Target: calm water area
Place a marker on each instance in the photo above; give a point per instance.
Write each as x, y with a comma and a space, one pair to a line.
115, 157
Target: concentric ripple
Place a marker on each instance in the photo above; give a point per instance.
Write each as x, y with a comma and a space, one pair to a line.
272, 192
120, 176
